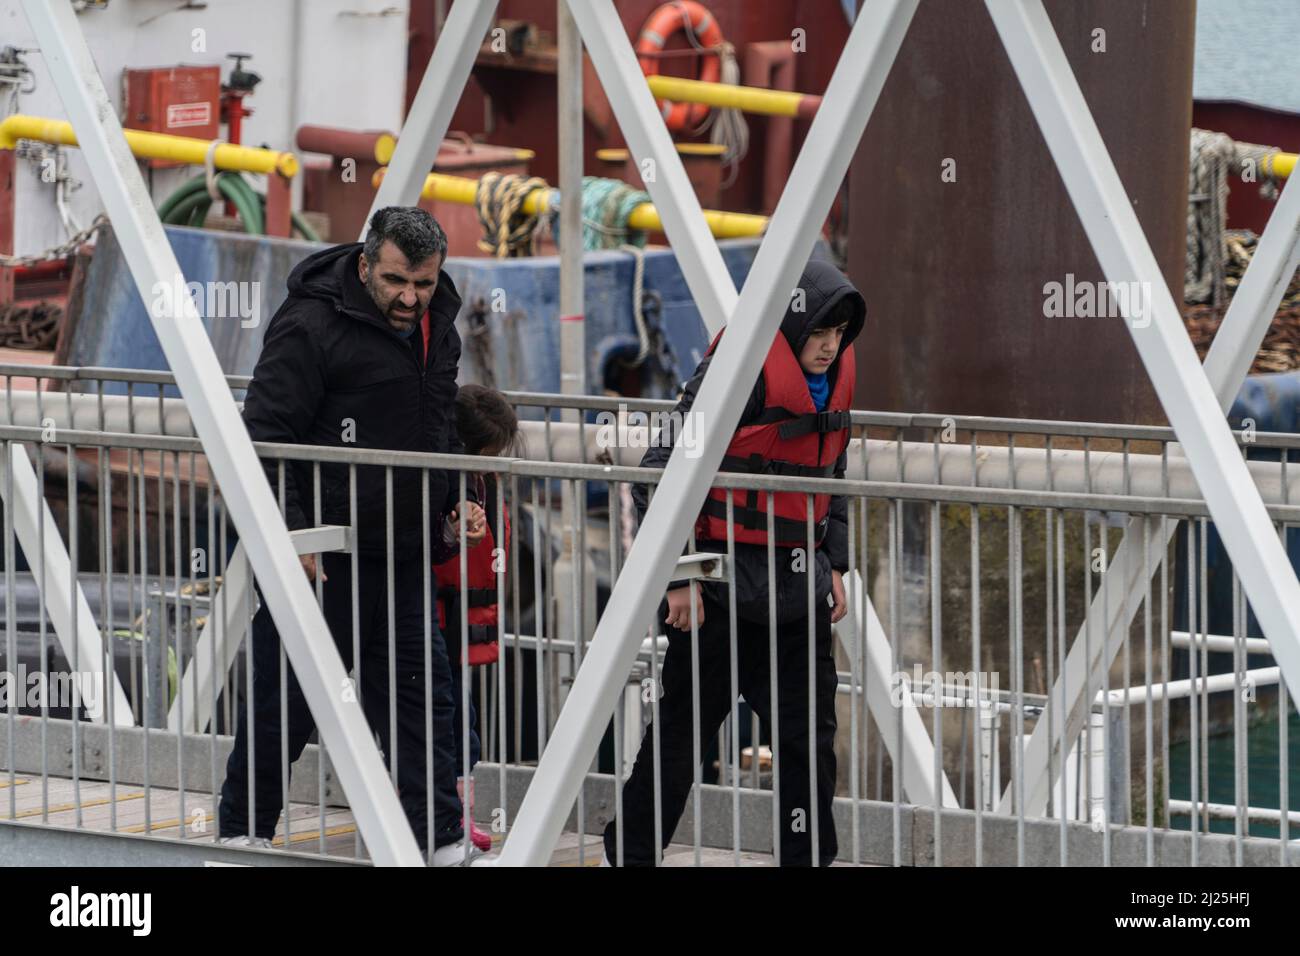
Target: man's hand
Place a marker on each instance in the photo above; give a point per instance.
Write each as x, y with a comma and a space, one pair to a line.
679, 608
839, 603
475, 523
309, 565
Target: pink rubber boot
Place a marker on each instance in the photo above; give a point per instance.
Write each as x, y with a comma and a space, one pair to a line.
480, 839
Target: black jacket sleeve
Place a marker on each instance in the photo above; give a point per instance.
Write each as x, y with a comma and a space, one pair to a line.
836, 543
657, 456
282, 401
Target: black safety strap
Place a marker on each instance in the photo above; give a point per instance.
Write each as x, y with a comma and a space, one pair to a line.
474, 597
482, 633
755, 519
758, 465
815, 422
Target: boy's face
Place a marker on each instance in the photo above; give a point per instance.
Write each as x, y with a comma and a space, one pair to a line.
821, 348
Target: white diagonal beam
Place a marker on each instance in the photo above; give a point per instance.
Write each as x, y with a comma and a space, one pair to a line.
81, 632
225, 441
440, 91
852, 93
1240, 335
1255, 303
878, 687
219, 640
642, 125
222, 632
1125, 256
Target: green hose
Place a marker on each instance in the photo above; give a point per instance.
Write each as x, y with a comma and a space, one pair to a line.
304, 227
189, 205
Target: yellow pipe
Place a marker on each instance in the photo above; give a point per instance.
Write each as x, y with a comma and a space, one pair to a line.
749, 99
458, 189
619, 154
146, 145
1283, 164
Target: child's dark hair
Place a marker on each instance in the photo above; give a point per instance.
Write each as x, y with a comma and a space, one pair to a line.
485, 419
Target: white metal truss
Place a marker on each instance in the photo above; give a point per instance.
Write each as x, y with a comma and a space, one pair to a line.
876, 674
73, 628
1181, 384
1234, 348
234, 463
665, 178
822, 163
435, 101
227, 623
1121, 248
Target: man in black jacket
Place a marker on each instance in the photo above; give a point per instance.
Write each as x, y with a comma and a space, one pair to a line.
825, 315
362, 354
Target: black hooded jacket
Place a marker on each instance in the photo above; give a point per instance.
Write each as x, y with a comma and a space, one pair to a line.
333, 372
824, 287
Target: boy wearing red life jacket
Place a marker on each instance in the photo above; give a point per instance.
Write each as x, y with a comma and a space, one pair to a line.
487, 425
796, 423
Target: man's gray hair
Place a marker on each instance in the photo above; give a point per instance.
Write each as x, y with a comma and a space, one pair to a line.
410, 228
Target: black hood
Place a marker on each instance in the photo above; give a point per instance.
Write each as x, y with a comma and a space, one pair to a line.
824, 286
331, 275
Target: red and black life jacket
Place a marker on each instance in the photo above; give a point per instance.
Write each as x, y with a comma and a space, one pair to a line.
790, 437
480, 593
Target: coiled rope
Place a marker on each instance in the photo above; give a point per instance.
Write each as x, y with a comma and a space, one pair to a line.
606, 206
1215, 159
508, 231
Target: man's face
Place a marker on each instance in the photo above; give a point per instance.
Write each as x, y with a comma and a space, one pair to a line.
820, 349
401, 291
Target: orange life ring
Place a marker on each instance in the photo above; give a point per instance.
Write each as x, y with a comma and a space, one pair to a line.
667, 19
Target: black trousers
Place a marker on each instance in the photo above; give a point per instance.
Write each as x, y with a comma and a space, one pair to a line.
676, 756
372, 692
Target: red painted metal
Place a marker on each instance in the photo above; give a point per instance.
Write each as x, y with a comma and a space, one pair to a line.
1247, 209
345, 194
954, 271
334, 141
771, 66
521, 90
7, 163
278, 206
179, 100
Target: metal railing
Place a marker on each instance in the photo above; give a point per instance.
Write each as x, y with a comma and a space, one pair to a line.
967, 571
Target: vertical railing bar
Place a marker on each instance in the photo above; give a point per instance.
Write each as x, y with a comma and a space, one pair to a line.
810, 575
427, 586
979, 702
180, 634
465, 690
11, 631
774, 708
1103, 531
73, 618
696, 756
1148, 715
733, 653
1062, 749
936, 666
895, 559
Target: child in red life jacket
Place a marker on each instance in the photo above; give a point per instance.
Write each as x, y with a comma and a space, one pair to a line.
795, 423
488, 426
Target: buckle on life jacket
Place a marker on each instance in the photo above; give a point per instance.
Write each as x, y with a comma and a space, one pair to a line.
815, 422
